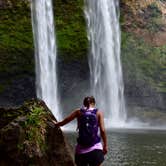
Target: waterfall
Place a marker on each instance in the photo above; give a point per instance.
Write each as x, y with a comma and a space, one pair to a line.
104, 60
45, 53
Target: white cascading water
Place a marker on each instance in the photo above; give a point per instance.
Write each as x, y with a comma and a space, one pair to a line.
45, 54
104, 59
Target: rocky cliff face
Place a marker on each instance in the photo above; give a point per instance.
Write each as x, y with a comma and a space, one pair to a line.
29, 137
147, 20
143, 52
143, 25
17, 81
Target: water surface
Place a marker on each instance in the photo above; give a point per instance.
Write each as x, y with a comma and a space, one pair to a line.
133, 147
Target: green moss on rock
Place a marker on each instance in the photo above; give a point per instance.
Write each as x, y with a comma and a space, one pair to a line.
16, 44
31, 137
143, 61
35, 126
71, 29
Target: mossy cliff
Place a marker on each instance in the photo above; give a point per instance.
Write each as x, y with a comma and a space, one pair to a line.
143, 53
16, 52
143, 50
29, 137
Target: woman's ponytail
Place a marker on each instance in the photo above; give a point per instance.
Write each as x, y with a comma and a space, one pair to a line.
88, 100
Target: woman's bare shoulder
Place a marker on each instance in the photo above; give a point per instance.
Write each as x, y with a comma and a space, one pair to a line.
99, 111
100, 114
77, 111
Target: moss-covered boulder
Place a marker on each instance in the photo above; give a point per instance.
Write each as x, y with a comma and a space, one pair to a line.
29, 137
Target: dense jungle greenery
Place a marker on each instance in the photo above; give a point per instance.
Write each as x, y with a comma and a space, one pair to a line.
141, 60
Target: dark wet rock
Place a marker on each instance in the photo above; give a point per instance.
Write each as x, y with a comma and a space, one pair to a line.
29, 137
19, 90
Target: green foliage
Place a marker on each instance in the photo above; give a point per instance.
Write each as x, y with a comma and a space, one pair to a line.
149, 114
143, 61
20, 146
34, 117
71, 29
16, 44
154, 22
155, 12
35, 126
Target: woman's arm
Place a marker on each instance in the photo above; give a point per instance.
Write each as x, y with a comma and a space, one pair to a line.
102, 131
69, 118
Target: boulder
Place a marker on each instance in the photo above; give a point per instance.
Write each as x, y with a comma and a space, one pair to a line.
29, 137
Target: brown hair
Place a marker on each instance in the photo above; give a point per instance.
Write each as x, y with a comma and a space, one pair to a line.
89, 100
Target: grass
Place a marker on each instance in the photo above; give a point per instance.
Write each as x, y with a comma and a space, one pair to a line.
35, 127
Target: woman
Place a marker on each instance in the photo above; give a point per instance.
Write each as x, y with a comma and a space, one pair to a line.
89, 149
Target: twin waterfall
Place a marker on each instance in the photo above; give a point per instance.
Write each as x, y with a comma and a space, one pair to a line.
104, 60
45, 54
